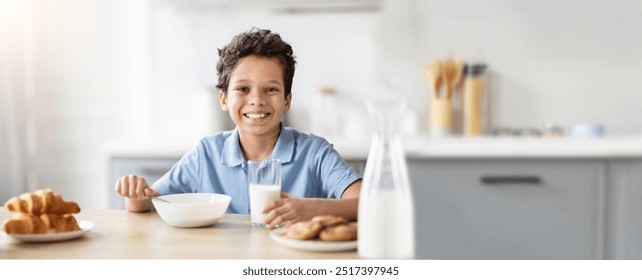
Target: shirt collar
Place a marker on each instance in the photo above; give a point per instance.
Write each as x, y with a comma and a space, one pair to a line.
283, 150
232, 154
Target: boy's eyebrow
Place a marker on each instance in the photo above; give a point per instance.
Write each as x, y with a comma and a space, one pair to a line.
275, 81
248, 80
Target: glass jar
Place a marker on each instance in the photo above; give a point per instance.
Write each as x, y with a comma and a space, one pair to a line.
325, 112
475, 101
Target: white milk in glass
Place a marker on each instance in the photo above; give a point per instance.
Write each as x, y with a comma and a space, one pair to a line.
260, 196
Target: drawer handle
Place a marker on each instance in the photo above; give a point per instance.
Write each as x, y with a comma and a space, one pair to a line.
497, 180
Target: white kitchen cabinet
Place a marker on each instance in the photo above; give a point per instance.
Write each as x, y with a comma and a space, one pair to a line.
509, 208
624, 201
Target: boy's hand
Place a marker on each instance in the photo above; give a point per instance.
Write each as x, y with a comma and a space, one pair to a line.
134, 187
291, 209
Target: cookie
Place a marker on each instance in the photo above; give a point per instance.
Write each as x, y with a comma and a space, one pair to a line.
329, 220
342, 232
301, 230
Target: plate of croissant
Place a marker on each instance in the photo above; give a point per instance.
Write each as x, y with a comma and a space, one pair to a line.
324, 233
43, 216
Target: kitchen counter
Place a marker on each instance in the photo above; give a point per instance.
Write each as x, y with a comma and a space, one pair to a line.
423, 146
119, 234
526, 147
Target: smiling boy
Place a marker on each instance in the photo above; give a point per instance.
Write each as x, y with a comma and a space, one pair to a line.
255, 74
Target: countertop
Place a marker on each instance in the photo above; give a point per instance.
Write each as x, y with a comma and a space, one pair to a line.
119, 234
423, 146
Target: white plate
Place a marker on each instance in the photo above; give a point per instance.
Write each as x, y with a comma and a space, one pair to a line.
313, 245
85, 226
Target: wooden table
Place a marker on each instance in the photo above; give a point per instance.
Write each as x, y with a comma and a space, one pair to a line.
119, 234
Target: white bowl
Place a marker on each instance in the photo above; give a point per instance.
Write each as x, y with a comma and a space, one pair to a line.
192, 209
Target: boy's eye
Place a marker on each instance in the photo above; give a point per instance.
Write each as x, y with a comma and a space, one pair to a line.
242, 89
272, 89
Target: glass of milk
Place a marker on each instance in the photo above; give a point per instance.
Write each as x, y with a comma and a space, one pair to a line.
264, 178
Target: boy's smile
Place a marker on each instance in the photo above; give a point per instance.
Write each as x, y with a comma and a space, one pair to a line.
255, 96
256, 116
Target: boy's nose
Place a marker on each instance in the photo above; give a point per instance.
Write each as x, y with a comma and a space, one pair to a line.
256, 98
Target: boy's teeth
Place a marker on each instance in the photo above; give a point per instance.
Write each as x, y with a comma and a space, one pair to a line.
256, 116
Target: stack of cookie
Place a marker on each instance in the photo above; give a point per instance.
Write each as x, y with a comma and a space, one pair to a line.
324, 228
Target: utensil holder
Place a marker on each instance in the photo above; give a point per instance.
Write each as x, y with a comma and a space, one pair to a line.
441, 117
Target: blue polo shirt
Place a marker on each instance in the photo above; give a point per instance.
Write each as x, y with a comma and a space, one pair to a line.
310, 167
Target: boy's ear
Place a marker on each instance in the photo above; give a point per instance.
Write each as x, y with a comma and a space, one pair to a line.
288, 101
222, 100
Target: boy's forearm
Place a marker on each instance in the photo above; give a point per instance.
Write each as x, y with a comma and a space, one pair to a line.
347, 207
138, 206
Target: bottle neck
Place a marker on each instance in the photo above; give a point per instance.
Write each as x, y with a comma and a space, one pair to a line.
386, 115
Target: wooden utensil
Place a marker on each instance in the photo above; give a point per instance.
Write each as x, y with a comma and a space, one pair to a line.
453, 71
434, 77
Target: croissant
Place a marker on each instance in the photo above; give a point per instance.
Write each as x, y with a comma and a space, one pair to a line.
60, 223
25, 223
41, 202
22, 223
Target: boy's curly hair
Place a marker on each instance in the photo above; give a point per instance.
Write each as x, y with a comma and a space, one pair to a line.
260, 42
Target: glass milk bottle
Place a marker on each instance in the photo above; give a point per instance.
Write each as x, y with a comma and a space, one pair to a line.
386, 212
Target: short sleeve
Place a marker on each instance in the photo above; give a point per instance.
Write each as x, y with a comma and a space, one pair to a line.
184, 176
334, 174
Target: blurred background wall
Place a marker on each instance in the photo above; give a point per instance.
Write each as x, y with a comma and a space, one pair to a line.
73, 75
77, 74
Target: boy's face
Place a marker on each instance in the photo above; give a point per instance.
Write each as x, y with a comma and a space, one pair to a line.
255, 95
